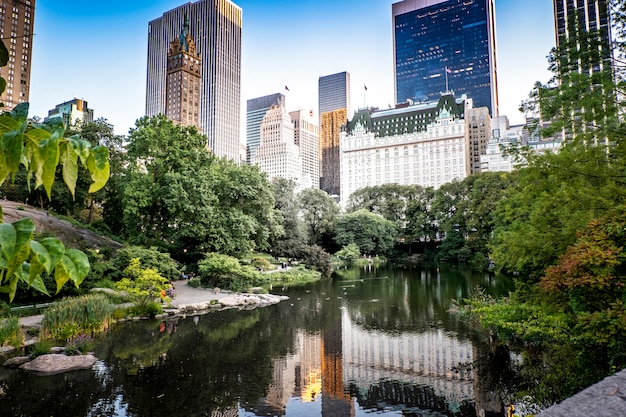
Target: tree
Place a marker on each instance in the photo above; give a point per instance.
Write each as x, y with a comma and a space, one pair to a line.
145, 285
371, 233
287, 204
181, 197
319, 212
40, 148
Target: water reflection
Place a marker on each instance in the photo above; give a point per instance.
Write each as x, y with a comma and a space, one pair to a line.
372, 341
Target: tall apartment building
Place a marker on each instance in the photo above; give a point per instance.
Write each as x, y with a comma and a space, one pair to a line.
277, 154
479, 133
445, 46
183, 81
17, 20
215, 25
425, 144
306, 136
334, 107
72, 112
255, 111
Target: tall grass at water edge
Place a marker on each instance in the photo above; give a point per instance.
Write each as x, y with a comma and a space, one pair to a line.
87, 315
11, 333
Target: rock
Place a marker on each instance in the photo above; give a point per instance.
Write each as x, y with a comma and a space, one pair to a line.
16, 361
57, 349
52, 364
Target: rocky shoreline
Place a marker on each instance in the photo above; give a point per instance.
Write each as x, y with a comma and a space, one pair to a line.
188, 302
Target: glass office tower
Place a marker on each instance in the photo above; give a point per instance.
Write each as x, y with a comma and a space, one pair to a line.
445, 45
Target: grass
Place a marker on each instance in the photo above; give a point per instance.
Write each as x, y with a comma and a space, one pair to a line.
89, 315
11, 333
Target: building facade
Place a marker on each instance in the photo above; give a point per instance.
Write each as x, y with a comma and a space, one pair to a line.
277, 154
73, 112
573, 19
255, 111
215, 25
479, 132
306, 137
17, 19
445, 45
334, 107
424, 144
183, 81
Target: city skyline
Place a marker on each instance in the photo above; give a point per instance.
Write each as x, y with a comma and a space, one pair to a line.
280, 50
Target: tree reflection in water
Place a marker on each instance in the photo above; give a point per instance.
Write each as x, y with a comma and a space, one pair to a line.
371, 340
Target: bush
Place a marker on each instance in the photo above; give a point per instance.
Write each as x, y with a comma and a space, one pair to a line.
194, 282
11, 333
149, 257
42, 347
223, 271
89, 314
261, 263
144, 285
79, 344
312, 256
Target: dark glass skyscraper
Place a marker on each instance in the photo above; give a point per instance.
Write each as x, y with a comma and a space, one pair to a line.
445, 45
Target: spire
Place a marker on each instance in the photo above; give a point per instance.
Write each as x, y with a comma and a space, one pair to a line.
183, 35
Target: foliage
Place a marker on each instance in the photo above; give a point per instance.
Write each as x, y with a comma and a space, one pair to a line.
11, 333
453, 248
40, 148
194, 282
294, 277
79, 344
260, 263
286, 204
144, 285
319, 212
149, 257
349, 253
312, 256
180, 197
372, 233
225, 272
89, 315
42, 347
149, 309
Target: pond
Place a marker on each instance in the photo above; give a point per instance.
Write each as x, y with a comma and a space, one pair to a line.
371, 341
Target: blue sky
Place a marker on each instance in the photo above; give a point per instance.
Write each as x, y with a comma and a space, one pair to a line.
97, 51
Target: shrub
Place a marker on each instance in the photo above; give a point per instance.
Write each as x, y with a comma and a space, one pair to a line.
150, 309
144, 285
42, 347
11, 333
194, 282
149, 257
223, 271
89, 314
261, 263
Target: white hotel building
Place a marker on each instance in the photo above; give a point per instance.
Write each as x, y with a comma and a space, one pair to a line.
425, 144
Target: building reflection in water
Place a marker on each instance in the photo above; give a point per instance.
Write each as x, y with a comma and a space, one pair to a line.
421, 370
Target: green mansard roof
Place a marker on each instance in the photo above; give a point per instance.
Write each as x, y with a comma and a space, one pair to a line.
407, 118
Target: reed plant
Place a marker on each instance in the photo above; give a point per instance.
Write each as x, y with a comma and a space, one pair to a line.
11, 333
88, 315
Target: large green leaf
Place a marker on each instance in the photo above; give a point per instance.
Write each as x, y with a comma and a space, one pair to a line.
7, 240
40, 255
12, 144
55, 249
49, 153
81, 147
99, 168
81, 265
20, 112
69, 161
64, 271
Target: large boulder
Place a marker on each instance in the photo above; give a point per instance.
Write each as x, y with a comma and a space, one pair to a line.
55, 363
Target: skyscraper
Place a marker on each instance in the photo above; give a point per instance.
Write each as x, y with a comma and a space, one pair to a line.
16, 29
572, 20
445, 45
334, 106
215, 25
255, 111
306, 136
183, 81
278, 155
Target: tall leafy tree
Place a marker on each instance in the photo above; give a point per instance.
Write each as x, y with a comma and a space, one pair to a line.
319, 212
181, 197
371, 233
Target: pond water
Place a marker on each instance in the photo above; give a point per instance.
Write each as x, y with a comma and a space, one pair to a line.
371, 341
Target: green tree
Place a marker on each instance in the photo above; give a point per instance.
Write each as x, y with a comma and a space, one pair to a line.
223, 271
319, 212
349, 253
371, 233
145, 285
287, 204
181, 197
